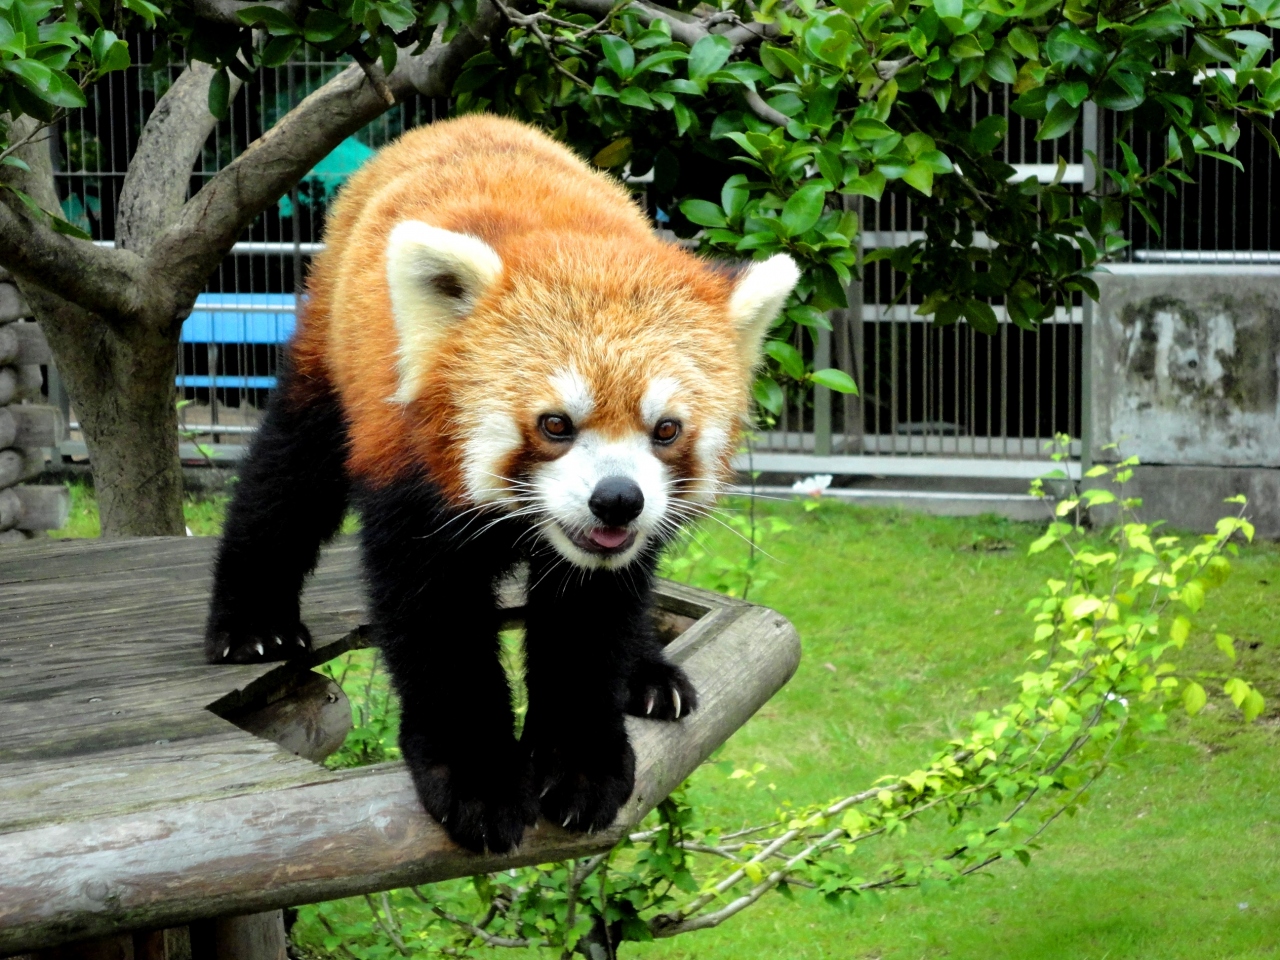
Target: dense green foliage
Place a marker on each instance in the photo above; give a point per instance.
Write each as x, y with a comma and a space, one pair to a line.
763, 123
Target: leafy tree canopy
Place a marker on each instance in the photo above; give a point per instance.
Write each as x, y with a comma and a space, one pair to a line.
761, 122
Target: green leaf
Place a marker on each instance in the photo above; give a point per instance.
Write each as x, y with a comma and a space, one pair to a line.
981, 316
768, 394
708, 55
277, 22
1000, 66
1024, 42
1061, 119
147, 11
704, 213
1193, 698
949, 8
920, 176
870, 184
836, 380
398, 17
1225, 158
32, 73
988, 133
788, 357
1226, 645
635, 97
278, 50
322, 26
1179, 630
1193, 596
64, 92
938, 161
219, 94
734, 195
614, 155
657, 59
803, 208
619, 55
1250, 38
1253, 706
69, 229
680, 85
870, 129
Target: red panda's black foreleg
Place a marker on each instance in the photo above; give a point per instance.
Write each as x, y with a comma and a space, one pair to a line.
432, 571
290, 498
591, 657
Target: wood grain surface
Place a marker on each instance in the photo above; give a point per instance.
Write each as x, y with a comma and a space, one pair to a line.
127, 804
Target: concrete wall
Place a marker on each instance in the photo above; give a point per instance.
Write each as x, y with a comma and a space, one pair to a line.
1186, 376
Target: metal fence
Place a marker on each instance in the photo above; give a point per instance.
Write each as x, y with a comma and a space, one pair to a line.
933, 395
231, 342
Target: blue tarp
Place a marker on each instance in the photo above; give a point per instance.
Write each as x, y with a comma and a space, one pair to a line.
233, 322
257, 325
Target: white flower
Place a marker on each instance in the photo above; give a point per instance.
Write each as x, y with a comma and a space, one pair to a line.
813, 486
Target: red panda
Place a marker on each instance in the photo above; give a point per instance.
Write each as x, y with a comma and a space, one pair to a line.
497, 361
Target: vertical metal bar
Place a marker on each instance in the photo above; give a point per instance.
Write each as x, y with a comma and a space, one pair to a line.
1091, 183
849, 339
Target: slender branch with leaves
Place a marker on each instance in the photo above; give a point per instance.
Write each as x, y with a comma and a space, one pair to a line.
1102, 674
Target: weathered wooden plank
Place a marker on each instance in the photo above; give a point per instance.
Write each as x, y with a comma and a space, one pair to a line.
355, 831
29, 424
33, 348
43, 508
12, 306
139, 777
17, 465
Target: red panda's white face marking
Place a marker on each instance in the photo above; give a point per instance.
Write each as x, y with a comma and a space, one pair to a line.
597, 396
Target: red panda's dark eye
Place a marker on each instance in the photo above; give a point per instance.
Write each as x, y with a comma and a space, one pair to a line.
556, 426
666, 431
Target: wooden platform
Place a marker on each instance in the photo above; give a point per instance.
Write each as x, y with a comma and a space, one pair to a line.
127, 804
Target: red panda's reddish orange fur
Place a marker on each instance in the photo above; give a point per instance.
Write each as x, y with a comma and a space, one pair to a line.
629, 306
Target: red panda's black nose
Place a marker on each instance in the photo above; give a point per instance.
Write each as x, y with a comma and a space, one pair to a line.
616, 501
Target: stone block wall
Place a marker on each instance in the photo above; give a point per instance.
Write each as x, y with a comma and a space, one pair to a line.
26, 425
1186, 376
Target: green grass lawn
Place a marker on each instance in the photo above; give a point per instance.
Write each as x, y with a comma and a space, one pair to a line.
910, 624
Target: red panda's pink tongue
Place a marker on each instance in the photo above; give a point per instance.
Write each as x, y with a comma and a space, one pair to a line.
608, 537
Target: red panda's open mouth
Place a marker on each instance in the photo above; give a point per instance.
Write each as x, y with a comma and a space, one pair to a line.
606, 541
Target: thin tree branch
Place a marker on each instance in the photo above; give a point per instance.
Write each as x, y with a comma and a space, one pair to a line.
685, 27
763, 110
213, 219
374, 76
111, 280
887, 70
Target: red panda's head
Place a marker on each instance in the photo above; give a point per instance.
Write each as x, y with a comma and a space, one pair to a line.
593, 385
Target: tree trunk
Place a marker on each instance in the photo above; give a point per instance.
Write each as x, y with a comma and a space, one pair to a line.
120, 376
121, 387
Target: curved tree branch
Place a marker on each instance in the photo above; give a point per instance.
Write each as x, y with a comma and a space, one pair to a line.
763, 110
226, 11
159, 173
685, 27
79, 270
211, 221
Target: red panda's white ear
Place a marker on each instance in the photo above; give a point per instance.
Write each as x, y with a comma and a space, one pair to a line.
758, 298
435, 277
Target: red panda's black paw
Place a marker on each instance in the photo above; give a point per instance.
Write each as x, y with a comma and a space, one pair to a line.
659, 690
256, 645
583, 791
478, 813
